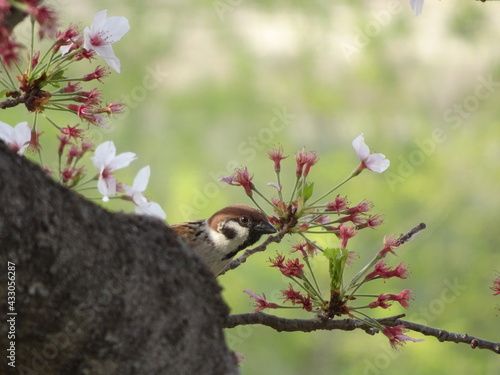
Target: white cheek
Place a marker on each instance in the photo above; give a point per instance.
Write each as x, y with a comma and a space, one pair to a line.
226, 245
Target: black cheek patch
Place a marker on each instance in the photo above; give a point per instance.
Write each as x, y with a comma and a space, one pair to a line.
252, 239
228, 232
249, 242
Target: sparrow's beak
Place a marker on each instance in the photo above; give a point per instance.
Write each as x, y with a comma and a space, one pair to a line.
265, 227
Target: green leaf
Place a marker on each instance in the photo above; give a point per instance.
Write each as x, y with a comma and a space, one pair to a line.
307, 192
56, 85
330, 253
57, 75
336, 262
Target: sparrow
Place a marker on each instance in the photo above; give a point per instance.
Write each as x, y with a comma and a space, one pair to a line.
228, 231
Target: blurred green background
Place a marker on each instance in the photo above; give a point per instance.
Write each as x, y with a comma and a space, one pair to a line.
211, 85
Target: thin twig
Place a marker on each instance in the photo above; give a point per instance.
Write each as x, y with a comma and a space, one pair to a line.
263, 246
408, 236
309, 325
278, 237
9, 103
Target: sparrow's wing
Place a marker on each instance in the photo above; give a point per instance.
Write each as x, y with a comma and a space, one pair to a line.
189, 231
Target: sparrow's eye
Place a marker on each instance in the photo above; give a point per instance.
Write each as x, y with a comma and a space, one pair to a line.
244, 221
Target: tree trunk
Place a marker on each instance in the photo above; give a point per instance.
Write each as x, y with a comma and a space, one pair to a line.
99, 292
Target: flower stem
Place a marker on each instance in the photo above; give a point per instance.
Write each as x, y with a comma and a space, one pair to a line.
362, 272
369, 320
294, 189
280, 193
333, 189
31, 53
311, 242
306, 260
6, 71
263, 197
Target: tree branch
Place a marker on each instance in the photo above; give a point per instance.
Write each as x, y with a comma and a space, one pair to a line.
309, 325
9, 103
408, 236
443, 336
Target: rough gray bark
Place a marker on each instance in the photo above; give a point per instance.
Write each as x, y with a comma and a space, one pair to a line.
100, 292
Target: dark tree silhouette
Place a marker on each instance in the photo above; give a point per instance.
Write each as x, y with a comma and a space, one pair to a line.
100, 292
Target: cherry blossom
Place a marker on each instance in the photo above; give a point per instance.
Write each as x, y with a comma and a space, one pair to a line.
305, 160
338, 205
296, 297
390, 242
106, 161
345, 232
291, 268
396, 335
276, 155
142, 205
102, 34
17, 138
241, 177
385, 300
260, 302
384, 272
374, 162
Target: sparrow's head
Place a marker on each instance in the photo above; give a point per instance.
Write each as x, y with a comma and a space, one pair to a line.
236, 227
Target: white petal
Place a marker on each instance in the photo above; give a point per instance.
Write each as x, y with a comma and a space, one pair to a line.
17, 138
142, 179
22, 133
359, 145
109, 30
86, 39
6, 132
155, 209
129, 191
115, 28
65, 49
113, 63
105, 51
252, 294
121, 161
22, 136
377, 163
417, 6
104, 153
22, 149
139, 199
106, 186
274, 186
99, 20
151, 209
